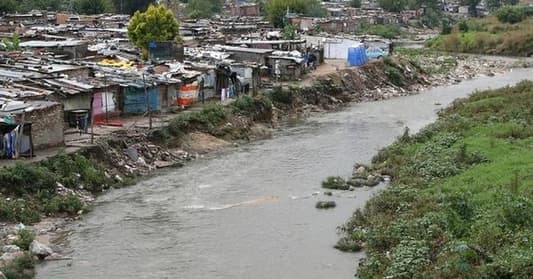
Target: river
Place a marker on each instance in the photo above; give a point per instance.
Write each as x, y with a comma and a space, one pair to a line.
249, 212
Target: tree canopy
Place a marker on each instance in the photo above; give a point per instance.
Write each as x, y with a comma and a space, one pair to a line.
156, 24
203, 8
91, 7
355, 3
131, 6
277, 9
393, 5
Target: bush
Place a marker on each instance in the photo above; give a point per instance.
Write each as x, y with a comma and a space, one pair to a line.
68, 204
258, 108
24, 179
335, 182
278, 95
19, 210
20, 268
26, 237
75, 170
463, 26
513, 14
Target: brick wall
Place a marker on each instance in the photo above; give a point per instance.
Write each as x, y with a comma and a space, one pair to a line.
47, 126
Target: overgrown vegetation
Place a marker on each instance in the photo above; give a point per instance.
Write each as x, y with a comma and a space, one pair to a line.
460, 203
30, 190
335, 182
388, 31
20, 268
508, 33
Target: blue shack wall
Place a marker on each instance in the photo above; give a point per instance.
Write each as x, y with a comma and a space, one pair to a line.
135, 99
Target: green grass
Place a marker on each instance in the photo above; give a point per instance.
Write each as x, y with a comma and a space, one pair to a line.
388, 31
460, 204
28, 191
488, 36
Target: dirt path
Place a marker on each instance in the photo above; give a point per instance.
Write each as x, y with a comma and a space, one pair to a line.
328, 67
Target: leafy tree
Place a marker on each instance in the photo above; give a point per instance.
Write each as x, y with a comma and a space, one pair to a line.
355, 3
131, 6
7, 6
203, 8
51, 5
493, 5
393, 5
289, 32
276, 10
91, 7
157, 24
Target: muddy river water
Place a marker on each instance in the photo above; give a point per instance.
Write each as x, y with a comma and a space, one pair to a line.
249, 212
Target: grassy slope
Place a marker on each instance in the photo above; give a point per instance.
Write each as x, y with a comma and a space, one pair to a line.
489, 36
461, 200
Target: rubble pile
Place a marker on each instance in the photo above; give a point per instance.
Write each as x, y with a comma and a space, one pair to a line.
133, 154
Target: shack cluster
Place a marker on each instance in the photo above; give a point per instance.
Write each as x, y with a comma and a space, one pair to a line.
64, 72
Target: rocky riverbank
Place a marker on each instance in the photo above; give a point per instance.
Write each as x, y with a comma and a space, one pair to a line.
66, 185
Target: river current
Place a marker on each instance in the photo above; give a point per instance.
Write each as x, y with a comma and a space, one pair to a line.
249, 211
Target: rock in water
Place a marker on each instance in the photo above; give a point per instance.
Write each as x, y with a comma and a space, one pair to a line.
325, 204
40, 250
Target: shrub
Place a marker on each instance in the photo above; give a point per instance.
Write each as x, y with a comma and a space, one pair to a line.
24, 179
409, 257
463, 26
258, 108
513, 14
19, 210
335, 182
26, 237
347, 244
278, 95
68, 204
20, 268
394, 75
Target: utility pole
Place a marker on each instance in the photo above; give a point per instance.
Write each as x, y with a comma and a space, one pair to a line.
147, 103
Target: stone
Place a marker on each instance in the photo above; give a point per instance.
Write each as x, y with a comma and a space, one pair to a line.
54, 257
10, 248
132, 153
162, 164
40, 250
7, 258
2, 276
356, 182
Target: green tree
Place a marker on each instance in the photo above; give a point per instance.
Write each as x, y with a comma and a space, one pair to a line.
7, 6
131, 6
203, 8
355, 3
157, 24
289, 32
276, 10
493, 5
393, 5
51, 5
92, 7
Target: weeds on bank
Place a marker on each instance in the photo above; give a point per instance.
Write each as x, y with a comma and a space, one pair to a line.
460, 202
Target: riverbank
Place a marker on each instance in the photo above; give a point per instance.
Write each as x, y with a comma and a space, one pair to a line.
124, 156
459, 203
509, 32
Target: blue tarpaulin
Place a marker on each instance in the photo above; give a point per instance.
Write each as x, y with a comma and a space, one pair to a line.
357, 55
